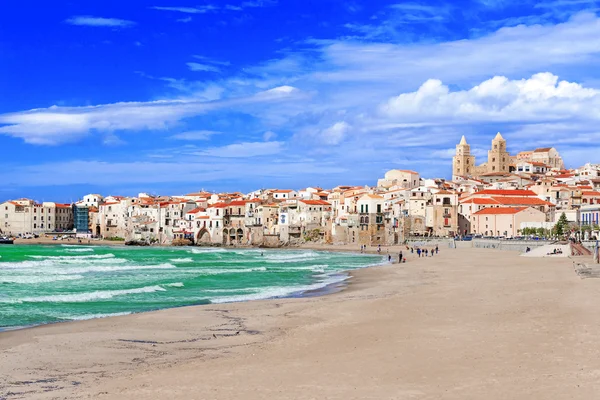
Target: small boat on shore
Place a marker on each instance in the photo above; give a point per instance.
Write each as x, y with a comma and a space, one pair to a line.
6, 240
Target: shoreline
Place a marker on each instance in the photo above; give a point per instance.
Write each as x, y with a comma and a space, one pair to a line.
328, 289
435, 328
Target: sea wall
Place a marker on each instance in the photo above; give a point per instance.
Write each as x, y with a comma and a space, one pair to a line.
509, 245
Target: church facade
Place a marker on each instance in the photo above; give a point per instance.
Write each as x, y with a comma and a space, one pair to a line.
499, 161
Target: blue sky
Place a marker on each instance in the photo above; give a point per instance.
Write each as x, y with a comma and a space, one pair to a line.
171, 97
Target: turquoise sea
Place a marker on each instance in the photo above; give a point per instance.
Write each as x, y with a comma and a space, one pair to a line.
45, 284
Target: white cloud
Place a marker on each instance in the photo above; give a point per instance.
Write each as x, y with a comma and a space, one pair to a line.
86, 20
335, 133
209, 60
244, 150
195, 135
188, 10
184, 20
541, 97
55, 125
215, 8
268, 135
193, 66
521, 49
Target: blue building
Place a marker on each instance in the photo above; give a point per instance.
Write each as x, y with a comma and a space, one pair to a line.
81, 219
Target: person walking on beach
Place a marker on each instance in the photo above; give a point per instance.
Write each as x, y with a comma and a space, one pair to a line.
400, 257
436, 249
419, 252
412, 250
389, 258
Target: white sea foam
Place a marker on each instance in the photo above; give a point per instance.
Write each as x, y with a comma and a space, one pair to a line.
176, 284
79, 250
206, 250
89, 316
90, 296
182, 260
290, 257
244, 290
34, 279
283, 268
230, 271
277, 291
51, 267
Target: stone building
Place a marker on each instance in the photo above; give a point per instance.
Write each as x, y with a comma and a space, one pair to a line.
463, 162
499, 161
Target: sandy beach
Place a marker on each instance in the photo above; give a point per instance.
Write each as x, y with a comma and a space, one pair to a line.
466, 324
73, 241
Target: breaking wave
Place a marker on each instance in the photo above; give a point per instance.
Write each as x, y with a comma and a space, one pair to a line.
90, 296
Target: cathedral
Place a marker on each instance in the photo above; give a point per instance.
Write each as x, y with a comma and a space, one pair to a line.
500, 162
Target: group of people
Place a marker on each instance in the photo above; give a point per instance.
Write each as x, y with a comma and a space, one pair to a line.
401, 258
420, 252
555, 251
425, 252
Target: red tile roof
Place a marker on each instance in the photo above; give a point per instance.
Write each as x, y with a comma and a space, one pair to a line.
218, 205
316, 202
530, 201
504, 192
500, 211
479, 200
196, 210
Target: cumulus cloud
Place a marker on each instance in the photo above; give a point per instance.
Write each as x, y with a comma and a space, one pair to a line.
86, 20
541, 97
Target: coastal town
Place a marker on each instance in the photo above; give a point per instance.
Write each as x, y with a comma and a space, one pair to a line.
507, 196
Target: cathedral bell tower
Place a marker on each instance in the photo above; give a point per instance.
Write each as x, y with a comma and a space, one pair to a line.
498, 157
463, 162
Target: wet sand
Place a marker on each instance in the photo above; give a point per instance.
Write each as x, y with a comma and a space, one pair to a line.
466, 324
